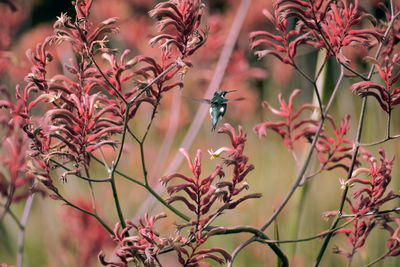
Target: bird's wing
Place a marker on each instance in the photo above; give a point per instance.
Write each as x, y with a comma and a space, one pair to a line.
235, 99
202, 100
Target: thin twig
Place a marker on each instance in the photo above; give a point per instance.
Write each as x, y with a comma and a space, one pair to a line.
151, 191
315, 88
107, 80
308, 158
118, 172
92, 196
80, 176
114, 167
306, 239
380, 141
165, 148
153, 114
146, 184
372, 213
89, 213
6, 206
156, 79
14, 217
376, 260
21, 234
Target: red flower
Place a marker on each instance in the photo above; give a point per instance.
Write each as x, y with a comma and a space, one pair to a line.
183, 16
328, 24
386, 95
200, 196
292, 128
144, 246
369, 199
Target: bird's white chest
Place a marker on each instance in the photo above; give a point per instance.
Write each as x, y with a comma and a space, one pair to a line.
221, 111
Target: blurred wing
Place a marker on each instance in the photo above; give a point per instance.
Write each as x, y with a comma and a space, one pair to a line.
236, 99
202, 100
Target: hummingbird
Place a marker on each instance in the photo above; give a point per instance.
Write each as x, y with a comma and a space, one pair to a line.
218, 105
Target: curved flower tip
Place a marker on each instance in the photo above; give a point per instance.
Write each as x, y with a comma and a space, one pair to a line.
260, 129
197, 164
186, 154
236, 139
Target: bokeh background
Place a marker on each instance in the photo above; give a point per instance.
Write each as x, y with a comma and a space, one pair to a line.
56, 235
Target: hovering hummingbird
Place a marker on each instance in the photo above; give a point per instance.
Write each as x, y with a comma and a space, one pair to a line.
218, 105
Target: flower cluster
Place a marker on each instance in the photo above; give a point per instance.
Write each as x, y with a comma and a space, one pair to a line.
366, 203
283, 45
184, 17
79, 117
15, 181
322, 24
292, 123
333, 24
143, 247
333, 152
386, 95
372, 195
200, 195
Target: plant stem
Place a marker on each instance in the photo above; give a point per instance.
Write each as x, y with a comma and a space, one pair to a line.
24, 220
80, 176
319, 92
315, 88
91, 190
151, 191
156, 79
162, 201
308, 158
380, 141
376, 260
371, 213
117, 172
146, 184
14, 217
114, 167
91, 214
106, 79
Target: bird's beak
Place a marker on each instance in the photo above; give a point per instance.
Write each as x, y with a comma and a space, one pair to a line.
231, 91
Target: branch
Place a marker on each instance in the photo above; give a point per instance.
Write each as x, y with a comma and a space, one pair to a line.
24, 220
